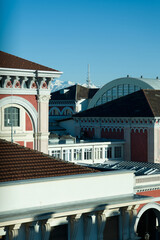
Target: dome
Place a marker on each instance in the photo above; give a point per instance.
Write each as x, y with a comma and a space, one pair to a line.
121, 87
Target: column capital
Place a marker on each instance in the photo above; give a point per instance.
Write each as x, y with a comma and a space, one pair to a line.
46, 229
43, 98
12, 232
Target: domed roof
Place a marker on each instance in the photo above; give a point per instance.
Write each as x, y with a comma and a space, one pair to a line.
122, 86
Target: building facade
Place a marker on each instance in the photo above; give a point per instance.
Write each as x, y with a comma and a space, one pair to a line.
68, 101
24, 101
133, 118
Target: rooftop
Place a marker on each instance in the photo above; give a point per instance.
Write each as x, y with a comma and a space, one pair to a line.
21, 163
75, 92
143, 103
10, 61
139, 168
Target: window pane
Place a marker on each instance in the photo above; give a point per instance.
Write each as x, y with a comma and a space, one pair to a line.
125, 89
131, 88
120, 90
77, 154
98, 153
88, 153
136, 88
108, 152
103, 98
109, 95
118, 152
67, 155
56, 153
114, 93
11, 117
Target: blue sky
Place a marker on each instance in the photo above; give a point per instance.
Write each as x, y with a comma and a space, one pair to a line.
116, 38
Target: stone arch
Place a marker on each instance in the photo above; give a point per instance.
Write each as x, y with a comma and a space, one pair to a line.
25, 104
154, 207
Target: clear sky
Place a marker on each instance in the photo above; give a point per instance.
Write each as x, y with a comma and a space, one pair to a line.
116, 37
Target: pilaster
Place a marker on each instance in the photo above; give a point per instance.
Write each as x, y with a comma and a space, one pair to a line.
42, 134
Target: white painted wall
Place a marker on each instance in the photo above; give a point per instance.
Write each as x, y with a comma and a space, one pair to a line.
37, 193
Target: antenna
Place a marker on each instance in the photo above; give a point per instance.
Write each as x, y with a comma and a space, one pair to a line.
88, 77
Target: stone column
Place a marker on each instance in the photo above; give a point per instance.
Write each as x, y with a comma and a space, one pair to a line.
32, 231
128, 220
46, 229
12, 232
90, 232
75, 227
42, 134
101, 221
125, 224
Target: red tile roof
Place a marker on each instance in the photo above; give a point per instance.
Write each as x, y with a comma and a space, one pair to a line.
10, 61
21, 163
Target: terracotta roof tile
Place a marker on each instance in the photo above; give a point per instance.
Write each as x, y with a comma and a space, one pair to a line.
20, 163
10, 61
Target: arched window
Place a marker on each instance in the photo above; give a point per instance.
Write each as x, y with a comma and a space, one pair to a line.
67, 111
54, 112
11, 117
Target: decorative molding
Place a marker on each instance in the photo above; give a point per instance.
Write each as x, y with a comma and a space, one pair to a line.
43, 98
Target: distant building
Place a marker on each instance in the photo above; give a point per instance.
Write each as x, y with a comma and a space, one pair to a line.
46, 198
122, 87
24, 97
134, 118
65, 102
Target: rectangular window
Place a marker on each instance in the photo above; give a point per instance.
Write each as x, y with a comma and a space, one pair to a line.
109, 95
56, 153
11, 117
98, 153
125, 89
87, 153
136, 88
131, 88
120, 90
108, 152
118, 152
77, 154
114, 93
67, 155
103, 98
